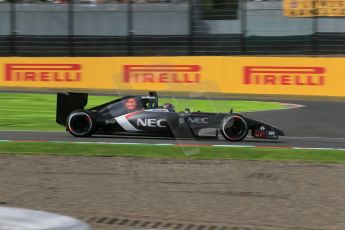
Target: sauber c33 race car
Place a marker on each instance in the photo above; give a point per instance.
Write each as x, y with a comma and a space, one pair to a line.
141, 115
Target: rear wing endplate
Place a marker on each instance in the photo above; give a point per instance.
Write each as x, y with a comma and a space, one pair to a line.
67, 103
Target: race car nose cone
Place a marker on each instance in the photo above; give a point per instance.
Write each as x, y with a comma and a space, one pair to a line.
25, 219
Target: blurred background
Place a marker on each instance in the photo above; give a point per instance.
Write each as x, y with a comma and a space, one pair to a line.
166, 27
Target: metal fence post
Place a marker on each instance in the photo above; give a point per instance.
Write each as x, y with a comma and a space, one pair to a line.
13, 32
315, 46
191, 28
314, 40
70, 22
130, 28
243, 21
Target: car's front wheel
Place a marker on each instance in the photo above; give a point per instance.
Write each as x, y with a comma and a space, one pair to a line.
234, 128
80, 123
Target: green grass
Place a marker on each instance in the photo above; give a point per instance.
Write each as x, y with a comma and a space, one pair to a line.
37, 111
202, 152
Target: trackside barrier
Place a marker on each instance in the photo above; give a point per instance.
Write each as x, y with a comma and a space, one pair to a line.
224, 74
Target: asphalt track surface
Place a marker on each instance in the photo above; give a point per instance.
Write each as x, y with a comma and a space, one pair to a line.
140, 193
319, 124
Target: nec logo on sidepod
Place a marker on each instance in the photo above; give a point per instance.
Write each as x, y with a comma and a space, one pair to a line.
151, 122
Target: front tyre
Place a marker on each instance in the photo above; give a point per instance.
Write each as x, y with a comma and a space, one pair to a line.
234, 128
80, 123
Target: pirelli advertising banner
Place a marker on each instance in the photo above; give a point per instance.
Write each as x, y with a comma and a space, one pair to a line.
314, 8
238, 75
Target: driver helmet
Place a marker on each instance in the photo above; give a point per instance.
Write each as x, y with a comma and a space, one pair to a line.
169, 107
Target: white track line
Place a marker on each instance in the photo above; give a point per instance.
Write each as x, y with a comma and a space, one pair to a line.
177, 145
142, 137
325, 138
234, 146
287, 106
32, 131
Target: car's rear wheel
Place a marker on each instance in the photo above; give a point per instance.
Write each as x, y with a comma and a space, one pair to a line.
234, 128
80, 123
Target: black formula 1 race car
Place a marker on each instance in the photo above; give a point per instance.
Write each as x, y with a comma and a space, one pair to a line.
141, 115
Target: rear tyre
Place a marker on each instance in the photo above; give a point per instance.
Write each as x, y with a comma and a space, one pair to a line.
80, 123
234, 128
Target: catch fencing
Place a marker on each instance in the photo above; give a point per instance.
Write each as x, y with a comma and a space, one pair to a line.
163, 28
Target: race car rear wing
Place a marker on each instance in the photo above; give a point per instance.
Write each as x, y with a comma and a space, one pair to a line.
67, 103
